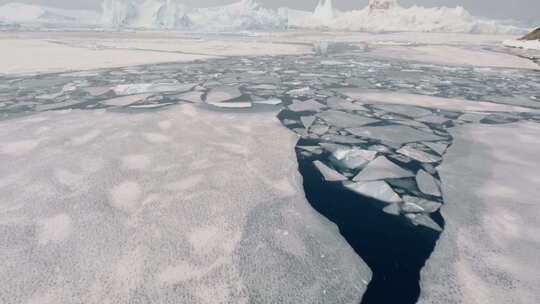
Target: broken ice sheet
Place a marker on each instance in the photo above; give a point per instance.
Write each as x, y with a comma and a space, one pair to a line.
379, 190
138, 88
221, 94
345, 120
319, 129
351, 158
232, 105
419, 155
328, 173
438, 147
194, 96
124, 100
306, 106
409, 111
424, 220
427, 205
394, 133
271, 101
427, 183
382, 168
307, 121
341, 104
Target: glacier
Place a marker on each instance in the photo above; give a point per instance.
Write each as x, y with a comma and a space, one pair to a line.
249, 15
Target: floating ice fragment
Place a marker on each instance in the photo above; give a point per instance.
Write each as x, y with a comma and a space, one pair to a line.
138, 88
440, 148
427, 205
345, 120
379, 190
328, 173
427, 183
194, 96
419, 155
221, 94
435, 119
271, 101
300, 92
409, 111
341, 104
352, 158
409, 207
382, 168
392, 209
306, 106
423, 220
394, 133
125, 100
232, 105
307, 121
319, 129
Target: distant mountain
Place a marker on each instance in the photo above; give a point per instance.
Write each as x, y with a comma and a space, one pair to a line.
19, 13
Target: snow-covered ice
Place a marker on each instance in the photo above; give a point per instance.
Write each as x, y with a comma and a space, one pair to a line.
328, 173
209, 216
488, 252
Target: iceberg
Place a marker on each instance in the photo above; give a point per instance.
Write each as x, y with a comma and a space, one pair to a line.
172, 14
388, 16
20, 13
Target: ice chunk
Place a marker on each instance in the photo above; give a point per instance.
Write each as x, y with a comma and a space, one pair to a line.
435, 119
409, 111
138, 88
427, 183
306, 106
341, 104
221, 94
382, 168
472, 117
232, 105
345, 120
352, 158
319, 129
392, 209
124, 100
307, 121
379, 190
328, 173
438, 147
409, 207
424, 220
419, 155
194, 96
394, 133
271, 101
427, 205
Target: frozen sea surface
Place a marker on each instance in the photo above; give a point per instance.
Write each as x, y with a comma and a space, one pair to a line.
488, 252
184, 205
229, 172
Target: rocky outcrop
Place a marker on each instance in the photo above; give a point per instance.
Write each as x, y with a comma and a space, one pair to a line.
534, 35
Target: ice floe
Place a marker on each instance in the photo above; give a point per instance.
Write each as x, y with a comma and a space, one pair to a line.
378, 190
381, 168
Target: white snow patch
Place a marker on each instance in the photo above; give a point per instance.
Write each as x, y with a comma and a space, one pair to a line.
54, 229
126, 196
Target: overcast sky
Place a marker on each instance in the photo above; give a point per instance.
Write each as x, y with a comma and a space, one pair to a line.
524, 10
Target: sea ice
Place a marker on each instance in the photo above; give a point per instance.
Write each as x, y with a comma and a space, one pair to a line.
194, 96
488, 252
212, 217
351, 158
419, 155
427, 205
305, 106
307, 121
379, 190
345, 120
427, 183
328, 173
381, 168
124, 100
138, 88
439, 148
423, 220
394, 133
221, 94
